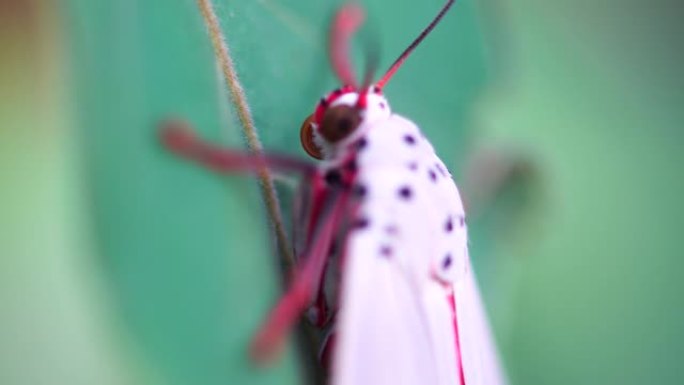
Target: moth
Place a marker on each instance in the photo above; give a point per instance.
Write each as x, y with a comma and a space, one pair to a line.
380, 212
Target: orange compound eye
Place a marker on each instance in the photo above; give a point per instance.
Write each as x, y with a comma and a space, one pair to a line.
307, 138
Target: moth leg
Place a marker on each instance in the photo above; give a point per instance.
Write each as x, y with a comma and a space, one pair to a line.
181, 139
305, 284
322, 221
313, 199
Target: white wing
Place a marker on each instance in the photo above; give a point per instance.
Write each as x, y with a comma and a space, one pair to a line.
480, 358
390, 310
395, 324
384, 336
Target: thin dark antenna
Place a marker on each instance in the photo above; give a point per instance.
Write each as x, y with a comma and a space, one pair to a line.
404, 55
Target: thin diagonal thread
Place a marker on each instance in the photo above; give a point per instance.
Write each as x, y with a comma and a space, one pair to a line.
244, 114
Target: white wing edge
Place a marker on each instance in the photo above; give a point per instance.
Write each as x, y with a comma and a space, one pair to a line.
480, 357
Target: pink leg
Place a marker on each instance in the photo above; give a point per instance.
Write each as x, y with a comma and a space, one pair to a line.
324, 222
180, 138
347, 20
304, 287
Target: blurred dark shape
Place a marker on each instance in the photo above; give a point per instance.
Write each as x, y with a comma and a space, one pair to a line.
494, 174
502, 188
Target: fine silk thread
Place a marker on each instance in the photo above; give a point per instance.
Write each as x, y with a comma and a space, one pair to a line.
244, 114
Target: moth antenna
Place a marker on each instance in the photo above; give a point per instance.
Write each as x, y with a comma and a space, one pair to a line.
371, 50
372, 61
404, 55
347, 20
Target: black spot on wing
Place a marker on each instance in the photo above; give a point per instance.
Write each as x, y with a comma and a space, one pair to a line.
449, 225
433, 175
361, 223
359, 190
447, 261
386, 251
361, 144
405, 192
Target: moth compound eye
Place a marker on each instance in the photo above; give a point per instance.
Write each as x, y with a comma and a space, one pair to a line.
307, 139
339, 122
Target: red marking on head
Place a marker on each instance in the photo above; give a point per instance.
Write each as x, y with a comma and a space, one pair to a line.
362, 102
328, 100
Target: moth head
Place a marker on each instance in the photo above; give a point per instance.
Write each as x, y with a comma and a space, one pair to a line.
349, 111
340, 118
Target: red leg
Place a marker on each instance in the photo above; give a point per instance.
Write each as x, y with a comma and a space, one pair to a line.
324, 219
305, 284
180, 138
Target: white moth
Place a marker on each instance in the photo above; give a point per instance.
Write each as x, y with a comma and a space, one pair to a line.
410, 311
407, 309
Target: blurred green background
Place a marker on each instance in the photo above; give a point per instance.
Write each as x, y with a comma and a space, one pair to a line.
120, 264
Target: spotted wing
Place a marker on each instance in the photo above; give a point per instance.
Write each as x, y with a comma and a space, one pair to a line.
396, 321
394, 324
389, 312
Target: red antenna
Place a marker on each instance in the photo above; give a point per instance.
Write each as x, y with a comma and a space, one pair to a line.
404, 55
347, 20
